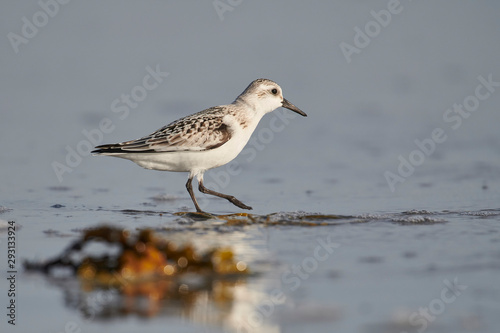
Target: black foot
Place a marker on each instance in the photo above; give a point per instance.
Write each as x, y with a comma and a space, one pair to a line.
230, 198
238, 203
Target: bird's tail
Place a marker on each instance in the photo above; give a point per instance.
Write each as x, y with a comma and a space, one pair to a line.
107, 149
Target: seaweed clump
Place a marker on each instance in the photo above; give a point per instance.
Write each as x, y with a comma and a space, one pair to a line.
132, 266
140, 257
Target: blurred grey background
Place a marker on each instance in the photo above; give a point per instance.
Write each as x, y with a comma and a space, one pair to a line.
65, 68
363, 113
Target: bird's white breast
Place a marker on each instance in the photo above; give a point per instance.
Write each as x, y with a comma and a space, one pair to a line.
241, 128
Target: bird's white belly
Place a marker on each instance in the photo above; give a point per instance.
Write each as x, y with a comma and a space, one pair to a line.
184, 161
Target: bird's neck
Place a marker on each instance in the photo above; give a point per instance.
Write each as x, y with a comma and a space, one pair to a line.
247, 105
254, 109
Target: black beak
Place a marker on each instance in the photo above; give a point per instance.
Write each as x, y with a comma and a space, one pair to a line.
290, 106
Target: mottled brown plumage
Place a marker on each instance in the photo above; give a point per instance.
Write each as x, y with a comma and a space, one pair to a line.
200, 131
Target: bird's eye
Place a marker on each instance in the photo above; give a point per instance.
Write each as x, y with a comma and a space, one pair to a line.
274, 91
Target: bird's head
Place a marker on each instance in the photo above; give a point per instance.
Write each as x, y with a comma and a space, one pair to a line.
265, 96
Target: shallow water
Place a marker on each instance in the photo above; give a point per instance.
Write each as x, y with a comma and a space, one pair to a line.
365, 272
331, 247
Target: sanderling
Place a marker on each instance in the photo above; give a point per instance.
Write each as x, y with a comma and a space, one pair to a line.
204, 140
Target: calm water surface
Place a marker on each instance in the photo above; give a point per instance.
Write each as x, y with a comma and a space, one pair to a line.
332, 248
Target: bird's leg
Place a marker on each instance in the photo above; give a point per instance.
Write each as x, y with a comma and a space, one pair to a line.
191, 193
232, 199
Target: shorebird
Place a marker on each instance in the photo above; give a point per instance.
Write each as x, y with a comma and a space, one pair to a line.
204, 140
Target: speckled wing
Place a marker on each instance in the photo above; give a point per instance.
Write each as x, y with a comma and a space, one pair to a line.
201, 131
